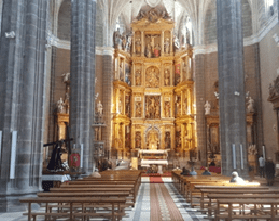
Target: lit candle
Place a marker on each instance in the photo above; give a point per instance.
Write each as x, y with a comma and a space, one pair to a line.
234, 157
263, 151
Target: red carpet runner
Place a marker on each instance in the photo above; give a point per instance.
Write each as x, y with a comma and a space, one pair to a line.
156, 180
162, 206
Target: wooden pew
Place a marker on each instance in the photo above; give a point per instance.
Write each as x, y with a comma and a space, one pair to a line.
229, 216
103, 183
83, 202
234, 190
238, 196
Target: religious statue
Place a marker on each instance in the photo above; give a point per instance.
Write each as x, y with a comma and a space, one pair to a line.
127, 103
124, 41
153, 17
152, 80
157, 112
167, 140
178, 106
138, 140
128, 44
167, 77
66, 77
207, 108
138, 109
138, 77
117, 38
100, 108
167, 109
141, 15
250, 107
60, 106
156, 51
167, 46
153, 140
138, 46
149, 51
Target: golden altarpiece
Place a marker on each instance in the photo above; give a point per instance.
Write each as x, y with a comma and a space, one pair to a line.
153, 89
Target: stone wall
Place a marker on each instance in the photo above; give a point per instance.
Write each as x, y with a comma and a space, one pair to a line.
269, 54
64, 21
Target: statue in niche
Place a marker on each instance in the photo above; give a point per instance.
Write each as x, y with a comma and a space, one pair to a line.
167, 77
167, 140
128, 44
66, 77
153, 140
178, 105
138, 140
207, 108
167, 46
138, 77
152, 107
157, 111
138, 46
124, 41
152, 79
100, 108
167, 109
60, 106
117, 38
156, 51
250, 107
178, 139
149, 51
127, 103
138, 109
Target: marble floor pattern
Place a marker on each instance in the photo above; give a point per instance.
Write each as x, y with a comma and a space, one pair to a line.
142, 209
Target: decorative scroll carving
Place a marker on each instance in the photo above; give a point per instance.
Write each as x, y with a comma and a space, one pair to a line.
167, 77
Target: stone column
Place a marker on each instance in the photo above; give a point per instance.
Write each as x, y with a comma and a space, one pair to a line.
142, 43
107, 91
200, 101
83, 78
22, 103
231, 86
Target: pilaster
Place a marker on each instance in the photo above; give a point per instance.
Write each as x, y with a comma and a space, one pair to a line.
231, 88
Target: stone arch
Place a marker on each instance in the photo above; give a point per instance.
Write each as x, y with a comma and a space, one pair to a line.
64, 21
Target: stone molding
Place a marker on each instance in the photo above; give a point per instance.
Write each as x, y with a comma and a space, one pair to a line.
105, 51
